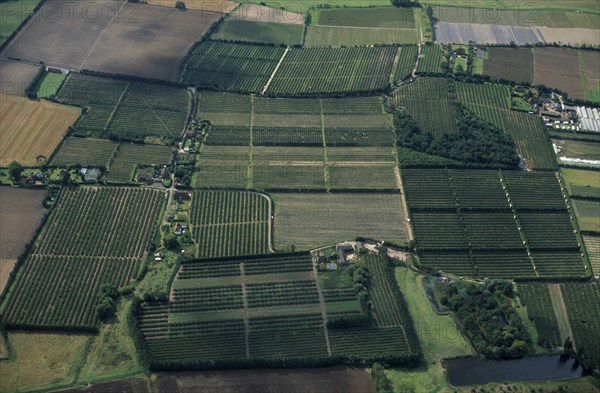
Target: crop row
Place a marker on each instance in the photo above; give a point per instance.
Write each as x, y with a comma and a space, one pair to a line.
582, 303
389, 312
432, 59
424, 97
534, 190
228, 207
406, 62
116, 222
204, 299
536, 297
368, 343
299, 262
59, 292
333, 70
207, 269
230, 66
282, 293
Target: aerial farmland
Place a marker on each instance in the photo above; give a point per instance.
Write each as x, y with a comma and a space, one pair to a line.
356, 197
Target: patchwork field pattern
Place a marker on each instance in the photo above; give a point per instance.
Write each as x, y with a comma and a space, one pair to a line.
126, 110
283, 143
31, 130
60, 279
461, 227
267, 307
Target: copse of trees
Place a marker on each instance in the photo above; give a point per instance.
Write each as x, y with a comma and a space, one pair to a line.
381, 381
486, 314
15, 170
105, 306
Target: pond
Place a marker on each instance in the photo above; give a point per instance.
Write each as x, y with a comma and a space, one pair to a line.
476, 371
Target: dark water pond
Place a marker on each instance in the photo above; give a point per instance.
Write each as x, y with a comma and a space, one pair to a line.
476, 371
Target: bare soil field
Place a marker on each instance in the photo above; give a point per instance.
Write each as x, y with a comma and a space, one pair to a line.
509, 63
132, 385
113, 37
48, 36
331, 380
21, 211
31, 130
153, 46
569, 36
558, 67
223, 6
14, 77
260, 13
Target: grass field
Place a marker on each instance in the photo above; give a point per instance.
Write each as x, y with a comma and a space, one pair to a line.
310, 220
439, 335
50, 84
223, 6
267, 32
587, 213
580, 182
112, 353
31, 130
30, 371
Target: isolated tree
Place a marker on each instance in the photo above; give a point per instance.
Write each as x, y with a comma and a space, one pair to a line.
180, 5
15, 169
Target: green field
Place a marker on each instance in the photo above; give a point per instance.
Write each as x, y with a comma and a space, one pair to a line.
131, 111
383, 17
432, 60
581, 182
587, 213
85, 151
355, 36
493, 240
50, 84
578, 149
592, 245
525, 6
267, 32
63, 278
129, 157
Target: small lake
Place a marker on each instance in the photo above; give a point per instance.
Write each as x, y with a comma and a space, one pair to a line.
476, 371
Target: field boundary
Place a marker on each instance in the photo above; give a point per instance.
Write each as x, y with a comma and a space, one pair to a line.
287, 48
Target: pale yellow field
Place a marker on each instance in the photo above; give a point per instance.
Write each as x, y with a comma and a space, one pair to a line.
41, 360
6, 266
223, 6
31, 129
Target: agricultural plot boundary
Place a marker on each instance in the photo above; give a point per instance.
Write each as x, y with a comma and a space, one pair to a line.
93, 236
263, 309
506, 224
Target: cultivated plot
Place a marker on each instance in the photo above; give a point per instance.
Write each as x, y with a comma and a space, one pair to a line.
310, 220
109, 231
14, 77
113, 37
31, 130
22, 212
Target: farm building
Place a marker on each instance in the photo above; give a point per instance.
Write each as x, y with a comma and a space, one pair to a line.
589, 118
